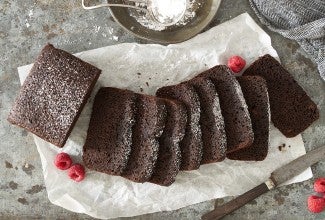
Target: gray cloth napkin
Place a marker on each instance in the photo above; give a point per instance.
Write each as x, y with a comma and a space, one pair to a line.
300, 20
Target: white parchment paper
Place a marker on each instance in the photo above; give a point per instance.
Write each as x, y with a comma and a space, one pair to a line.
145, 68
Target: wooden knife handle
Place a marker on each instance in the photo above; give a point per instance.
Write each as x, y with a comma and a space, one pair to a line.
221, 211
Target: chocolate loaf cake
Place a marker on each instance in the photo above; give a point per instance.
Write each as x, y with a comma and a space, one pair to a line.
255, 92
149, 124
109, 137
169, 156
292, 110
211, 121
191, 145
53, 95
234, 110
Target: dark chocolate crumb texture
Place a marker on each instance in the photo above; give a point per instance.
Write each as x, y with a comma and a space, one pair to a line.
109, 138
212, 124
53, 95
149, 124
191, 145
234, 109
292, 110
256, 96
169, 155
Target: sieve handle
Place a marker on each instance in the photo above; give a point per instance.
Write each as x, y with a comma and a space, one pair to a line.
114, 5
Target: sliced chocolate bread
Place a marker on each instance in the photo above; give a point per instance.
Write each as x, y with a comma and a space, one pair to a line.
109, 137
53, 95
191, 145
169, 156
255, 92
234, 110
292, 110
211, 121
149, 124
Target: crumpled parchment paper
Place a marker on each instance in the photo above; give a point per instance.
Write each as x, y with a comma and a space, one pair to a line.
144, 68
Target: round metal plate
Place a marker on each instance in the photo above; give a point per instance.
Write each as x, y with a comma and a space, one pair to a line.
172, 34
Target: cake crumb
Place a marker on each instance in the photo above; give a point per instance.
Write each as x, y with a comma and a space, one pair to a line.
282, 147
8, 165
147, 84
23, 201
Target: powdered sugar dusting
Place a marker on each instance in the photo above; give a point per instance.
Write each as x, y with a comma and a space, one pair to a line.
168, 11
145, 19
52, 95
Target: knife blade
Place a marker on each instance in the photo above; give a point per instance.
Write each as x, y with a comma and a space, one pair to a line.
277, 177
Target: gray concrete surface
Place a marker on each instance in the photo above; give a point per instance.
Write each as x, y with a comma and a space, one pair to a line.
25, 26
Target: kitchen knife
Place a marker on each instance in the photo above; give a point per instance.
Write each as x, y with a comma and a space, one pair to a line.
279, 176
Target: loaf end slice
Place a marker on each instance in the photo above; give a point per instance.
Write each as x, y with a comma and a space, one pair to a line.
53, 95
292, 110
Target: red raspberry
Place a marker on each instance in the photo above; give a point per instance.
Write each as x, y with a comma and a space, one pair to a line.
316, 204
236, 64
63, 161
77, 172
319, 185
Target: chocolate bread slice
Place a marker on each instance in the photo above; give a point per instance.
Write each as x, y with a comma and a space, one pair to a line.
53, 95
211, 121
255, 92
292, 110
149, 125
109, 137
238, 124
191, 145
169, 156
